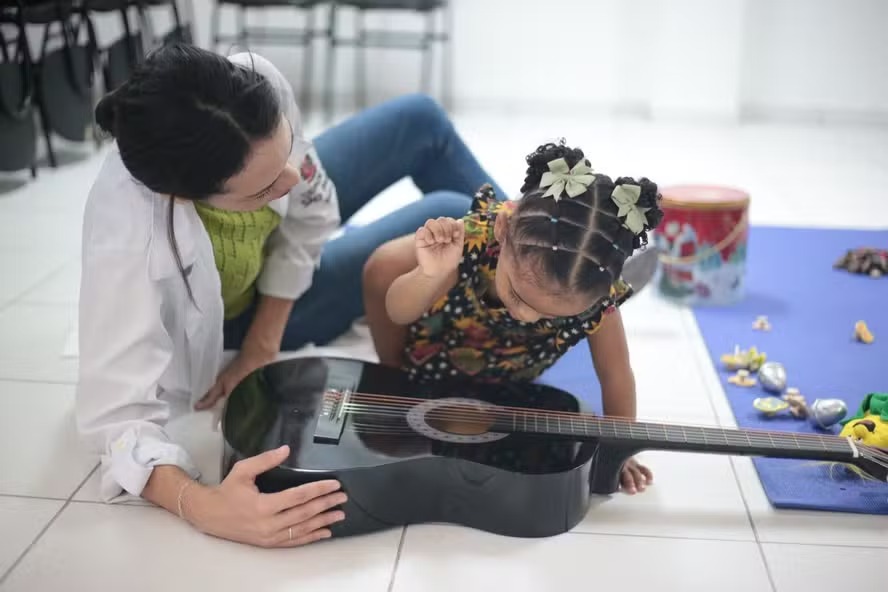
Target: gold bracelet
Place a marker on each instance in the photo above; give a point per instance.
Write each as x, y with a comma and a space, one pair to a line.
181, 498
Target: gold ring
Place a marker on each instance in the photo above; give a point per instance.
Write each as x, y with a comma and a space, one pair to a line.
290, 532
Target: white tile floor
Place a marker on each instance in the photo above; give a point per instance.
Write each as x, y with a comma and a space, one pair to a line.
705, 524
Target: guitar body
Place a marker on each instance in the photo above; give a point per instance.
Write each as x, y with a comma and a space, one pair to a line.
398, 466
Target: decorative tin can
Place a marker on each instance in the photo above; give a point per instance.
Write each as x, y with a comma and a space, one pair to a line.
702, 244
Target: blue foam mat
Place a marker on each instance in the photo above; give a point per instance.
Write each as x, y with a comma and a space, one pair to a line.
812, 309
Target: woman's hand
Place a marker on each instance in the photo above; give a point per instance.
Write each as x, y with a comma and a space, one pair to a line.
635, 477
235, 510
439, 246
246, 361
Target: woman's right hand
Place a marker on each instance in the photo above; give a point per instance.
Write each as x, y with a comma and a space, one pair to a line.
237, 511
439, 246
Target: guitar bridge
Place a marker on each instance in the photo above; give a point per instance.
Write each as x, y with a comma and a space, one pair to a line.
332, 418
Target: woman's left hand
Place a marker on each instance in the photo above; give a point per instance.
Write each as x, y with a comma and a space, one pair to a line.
247, 360
635, 477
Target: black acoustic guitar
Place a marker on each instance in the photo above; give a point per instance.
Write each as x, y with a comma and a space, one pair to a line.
514, 459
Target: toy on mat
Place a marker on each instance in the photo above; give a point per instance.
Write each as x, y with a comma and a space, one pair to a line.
822, 413
772, 376
870, 424
825, 413
742, 378
796, 403
862, 333
871, 262
761, 324
770, 406
750, 359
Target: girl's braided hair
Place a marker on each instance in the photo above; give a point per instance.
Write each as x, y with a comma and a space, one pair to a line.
580, 242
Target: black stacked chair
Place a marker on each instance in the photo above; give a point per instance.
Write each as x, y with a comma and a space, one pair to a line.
63, 76
181, 30
122, 55
247, 36
18, 129
392, 39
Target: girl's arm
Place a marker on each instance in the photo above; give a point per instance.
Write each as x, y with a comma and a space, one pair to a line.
404, 277
610, 356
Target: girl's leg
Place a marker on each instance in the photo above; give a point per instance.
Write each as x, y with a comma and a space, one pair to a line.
410, 136
335, 300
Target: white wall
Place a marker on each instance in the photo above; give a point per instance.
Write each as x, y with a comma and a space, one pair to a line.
790, 59
816, 58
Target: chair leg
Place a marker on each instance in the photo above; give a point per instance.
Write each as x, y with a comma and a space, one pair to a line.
361, 61
427, 65
242, 27
307, 61
177, 20
215, 23
47, 134
329, 77
41, 105
447, 57
146, 26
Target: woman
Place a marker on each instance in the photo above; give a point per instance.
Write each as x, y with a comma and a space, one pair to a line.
210, 226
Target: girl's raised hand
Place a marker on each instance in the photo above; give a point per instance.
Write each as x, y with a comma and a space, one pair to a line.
439, 246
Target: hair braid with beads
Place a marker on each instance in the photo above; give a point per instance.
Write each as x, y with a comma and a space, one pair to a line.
579, 242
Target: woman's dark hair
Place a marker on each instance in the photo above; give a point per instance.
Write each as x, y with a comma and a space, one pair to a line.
185, 122
578, 242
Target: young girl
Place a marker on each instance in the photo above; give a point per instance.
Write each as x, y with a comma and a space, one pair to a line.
504, 292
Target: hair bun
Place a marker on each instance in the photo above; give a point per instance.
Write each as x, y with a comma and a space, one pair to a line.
538, 162
649, 203
650, 199
106, 113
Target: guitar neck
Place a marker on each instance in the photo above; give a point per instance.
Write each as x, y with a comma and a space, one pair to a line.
677, 437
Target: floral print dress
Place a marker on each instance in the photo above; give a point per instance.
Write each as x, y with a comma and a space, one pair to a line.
463, 336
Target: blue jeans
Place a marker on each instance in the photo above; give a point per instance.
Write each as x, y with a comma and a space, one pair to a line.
407, 137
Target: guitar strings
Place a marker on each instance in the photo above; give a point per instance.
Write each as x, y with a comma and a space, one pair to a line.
403, 404
876, 455
873, 454
395, 406
627, 430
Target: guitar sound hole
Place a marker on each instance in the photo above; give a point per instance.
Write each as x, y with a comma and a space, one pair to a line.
462, 420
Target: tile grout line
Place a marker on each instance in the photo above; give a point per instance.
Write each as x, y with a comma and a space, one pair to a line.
33, 497
43, 279
39, 381
717, 540
692, 332
391, 585
45, 528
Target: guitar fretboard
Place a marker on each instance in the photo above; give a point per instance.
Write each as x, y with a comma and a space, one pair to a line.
674, 437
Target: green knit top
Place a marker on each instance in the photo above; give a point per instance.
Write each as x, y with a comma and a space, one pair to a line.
239, 250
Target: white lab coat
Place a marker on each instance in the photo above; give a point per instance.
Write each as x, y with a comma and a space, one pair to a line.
147, 350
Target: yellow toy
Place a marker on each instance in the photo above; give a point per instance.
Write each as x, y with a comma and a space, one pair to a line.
761, 324
770, 406
750, 360
742, 378
870, 425
862, 333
